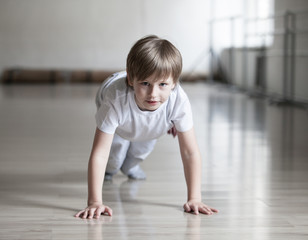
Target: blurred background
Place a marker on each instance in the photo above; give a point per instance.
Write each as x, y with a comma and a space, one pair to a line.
245, 73
259, 46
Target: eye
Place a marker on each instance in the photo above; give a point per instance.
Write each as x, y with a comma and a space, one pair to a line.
144, 83
163, 84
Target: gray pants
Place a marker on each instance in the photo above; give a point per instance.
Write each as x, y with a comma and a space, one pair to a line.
125, 155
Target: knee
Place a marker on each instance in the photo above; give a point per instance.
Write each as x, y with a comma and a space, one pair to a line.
113, 166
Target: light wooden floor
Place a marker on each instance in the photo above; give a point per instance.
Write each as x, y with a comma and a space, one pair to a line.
255, 170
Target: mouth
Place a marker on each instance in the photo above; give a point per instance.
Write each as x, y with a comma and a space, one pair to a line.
152, 102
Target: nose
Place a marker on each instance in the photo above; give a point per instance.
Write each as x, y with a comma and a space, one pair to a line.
153, 91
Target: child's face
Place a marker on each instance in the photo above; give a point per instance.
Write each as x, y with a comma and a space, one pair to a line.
151, 93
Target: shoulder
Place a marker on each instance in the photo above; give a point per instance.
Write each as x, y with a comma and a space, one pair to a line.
180, 110
115, 81
114, 86
178, 103
178, 95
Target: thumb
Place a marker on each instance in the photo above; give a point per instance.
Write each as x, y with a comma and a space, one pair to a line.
187, 207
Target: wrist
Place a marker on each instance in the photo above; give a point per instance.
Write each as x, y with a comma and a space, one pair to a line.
196, 197
194, 200
91, 202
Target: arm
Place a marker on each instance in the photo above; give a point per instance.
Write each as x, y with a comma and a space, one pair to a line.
192, 169
96, 170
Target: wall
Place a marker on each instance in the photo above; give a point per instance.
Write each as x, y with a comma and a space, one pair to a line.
273, 81
97, 34
301, 60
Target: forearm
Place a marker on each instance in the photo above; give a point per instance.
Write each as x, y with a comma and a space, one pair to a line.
192, 170
97, 165
96, 171
192, 163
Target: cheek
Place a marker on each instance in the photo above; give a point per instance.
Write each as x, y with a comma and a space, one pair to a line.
166, 94
140, 92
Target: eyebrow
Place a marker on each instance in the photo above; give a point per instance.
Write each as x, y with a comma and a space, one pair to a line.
158, 80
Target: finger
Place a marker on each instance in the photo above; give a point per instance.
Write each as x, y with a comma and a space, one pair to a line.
187, 207
206, 210
91, 213
195, 210
108, 210
79, 213
98, 212
85, 214
174, 132
214, 210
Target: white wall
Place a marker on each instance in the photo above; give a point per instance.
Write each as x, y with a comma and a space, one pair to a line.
97, 34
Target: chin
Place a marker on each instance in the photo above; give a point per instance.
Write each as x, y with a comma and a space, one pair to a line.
152, 108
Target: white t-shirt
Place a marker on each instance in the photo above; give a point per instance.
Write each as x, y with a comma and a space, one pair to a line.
118, 112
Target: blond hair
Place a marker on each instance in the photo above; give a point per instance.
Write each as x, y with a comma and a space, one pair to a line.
152, 56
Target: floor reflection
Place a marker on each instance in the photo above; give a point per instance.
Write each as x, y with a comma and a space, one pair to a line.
248, 144
193, 227
241, 129
128, 214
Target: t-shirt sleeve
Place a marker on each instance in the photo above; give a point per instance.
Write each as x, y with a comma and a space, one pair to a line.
106, 118
183, 120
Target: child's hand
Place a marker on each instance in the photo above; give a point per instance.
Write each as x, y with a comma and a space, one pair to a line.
94, 211
197, 207
173, 131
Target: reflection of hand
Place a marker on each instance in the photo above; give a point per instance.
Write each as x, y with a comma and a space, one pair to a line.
173, 131
197, 207
94, 211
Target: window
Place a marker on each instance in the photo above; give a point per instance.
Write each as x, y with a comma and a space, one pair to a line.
239, 23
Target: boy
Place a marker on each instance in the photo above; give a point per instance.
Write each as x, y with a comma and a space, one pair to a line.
134, 109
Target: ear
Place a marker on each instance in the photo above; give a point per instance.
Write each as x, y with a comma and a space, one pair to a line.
173, 85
